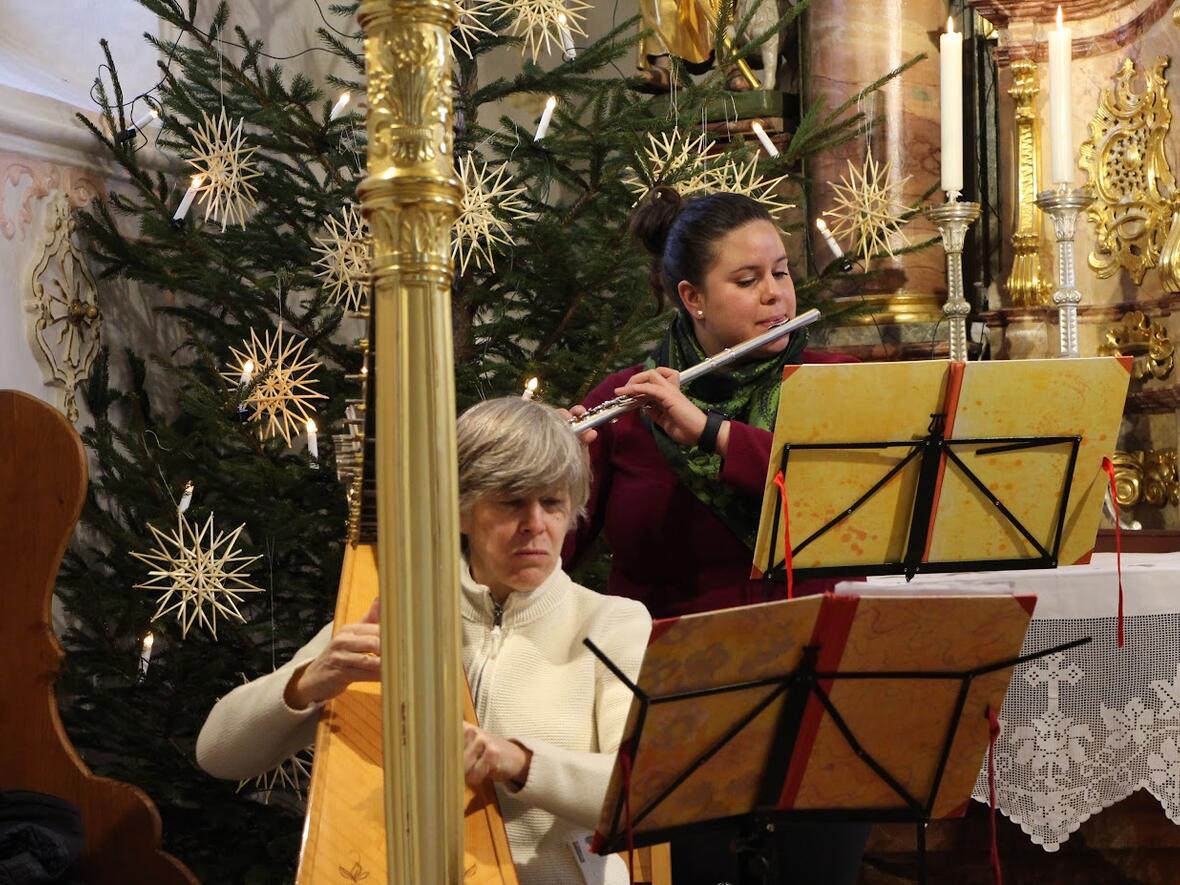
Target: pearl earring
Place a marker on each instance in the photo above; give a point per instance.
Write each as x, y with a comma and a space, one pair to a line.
701, 314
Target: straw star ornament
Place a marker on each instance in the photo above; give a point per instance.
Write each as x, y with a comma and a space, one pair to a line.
344, 257
869, 209
222, 159
284, 386
292, 774
472, 23
741, 177
490, 204
201, 573
674, 159
539, 22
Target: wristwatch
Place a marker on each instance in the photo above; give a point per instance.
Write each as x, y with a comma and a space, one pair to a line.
708, 440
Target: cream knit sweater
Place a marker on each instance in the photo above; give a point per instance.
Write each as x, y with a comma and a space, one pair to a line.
533, 681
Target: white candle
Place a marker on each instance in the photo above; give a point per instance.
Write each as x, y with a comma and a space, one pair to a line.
765, 139
1060, 99
147, 118
822, 227
530, 388
341, 104
186, 498
546, 116
189, 196
950, 48
145, 653
247, 373
567, 39
313, 443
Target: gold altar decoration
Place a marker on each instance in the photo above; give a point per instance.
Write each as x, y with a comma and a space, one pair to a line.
1148, 343
1128, 172
410, 199
1146, 478
1026, 287
68, 325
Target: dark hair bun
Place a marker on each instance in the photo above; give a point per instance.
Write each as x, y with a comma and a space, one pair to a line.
653, 218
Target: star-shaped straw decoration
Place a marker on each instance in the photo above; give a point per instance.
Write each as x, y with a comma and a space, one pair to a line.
869, 209
538, 22
490, 204
284, 383
223, 162
344, 257
201, 573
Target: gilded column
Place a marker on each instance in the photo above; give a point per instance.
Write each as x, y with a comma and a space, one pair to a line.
410, 199
1025, 286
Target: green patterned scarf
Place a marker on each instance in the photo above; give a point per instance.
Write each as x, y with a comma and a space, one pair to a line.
746, 392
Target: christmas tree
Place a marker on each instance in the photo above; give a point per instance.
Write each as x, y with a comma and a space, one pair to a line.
258, 253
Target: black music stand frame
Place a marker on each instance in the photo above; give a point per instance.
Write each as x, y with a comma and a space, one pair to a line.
930, 449
798, 686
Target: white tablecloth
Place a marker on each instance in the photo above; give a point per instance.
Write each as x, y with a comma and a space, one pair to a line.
1083, 729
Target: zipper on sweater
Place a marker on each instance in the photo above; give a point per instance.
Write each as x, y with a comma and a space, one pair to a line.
490, 652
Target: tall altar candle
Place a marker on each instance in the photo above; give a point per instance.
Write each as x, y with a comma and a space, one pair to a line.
1060, 99
950, 49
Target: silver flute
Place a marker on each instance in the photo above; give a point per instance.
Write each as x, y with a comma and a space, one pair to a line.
613, 408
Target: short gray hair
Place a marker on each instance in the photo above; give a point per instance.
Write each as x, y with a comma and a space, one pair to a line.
513, 446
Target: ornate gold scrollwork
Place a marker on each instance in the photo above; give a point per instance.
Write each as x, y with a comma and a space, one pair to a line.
1136, 336
1026, 288
1128, 171
68, 324
1146, 478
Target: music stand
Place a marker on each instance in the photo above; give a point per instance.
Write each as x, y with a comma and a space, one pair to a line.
870, 708
833, 708
900, 468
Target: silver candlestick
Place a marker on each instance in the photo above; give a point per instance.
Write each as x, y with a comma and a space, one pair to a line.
953, 218
1064, 203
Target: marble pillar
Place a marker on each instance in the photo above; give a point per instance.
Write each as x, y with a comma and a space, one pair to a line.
849, 44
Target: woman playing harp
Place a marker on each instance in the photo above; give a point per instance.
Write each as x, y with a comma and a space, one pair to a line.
551, 715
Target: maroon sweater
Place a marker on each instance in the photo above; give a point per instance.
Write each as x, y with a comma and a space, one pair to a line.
668, 550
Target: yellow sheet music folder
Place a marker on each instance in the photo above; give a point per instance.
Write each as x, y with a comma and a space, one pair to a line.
868, 403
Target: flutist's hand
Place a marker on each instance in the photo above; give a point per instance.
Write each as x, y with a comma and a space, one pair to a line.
662, 401
353, 655
486, 756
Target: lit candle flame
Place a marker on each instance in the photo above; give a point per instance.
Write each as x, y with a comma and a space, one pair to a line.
950, 25
1060, 19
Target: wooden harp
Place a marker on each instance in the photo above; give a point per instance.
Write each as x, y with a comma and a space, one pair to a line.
386, 795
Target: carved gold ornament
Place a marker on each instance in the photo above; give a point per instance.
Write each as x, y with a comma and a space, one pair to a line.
408, 114
68, 325
1025, 285
1146, 478
1136, 336
1129, 173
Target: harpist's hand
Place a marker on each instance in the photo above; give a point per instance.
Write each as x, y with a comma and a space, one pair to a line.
353, 655
488, 756
586, 436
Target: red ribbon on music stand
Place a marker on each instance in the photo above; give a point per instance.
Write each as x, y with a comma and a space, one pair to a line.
1108, 466
781, 482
